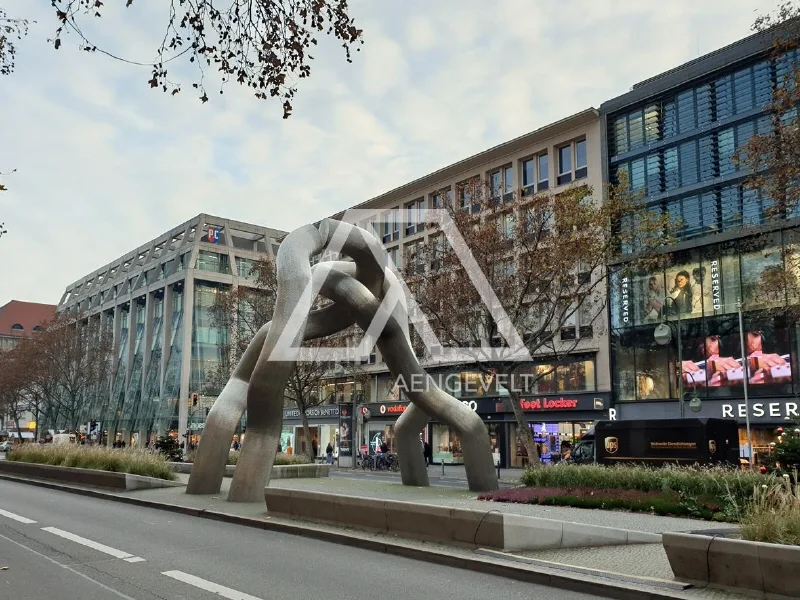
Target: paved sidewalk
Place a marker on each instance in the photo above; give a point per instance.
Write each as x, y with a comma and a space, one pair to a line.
367, 488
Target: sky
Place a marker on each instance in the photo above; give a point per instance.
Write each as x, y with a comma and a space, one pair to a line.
104, 164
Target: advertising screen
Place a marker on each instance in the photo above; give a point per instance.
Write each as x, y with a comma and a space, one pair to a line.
715, 359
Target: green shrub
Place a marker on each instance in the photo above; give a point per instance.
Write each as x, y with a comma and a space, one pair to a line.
709, 482
118, 460
774, 514
280, 458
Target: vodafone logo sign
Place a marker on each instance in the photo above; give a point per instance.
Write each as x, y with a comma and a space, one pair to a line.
383, 409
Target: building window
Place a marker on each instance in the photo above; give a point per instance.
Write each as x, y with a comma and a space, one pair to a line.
467, 194
392, 256
528, 177
415, 214
564, 164
387, 226
543, 171
581, 169
501, 183
17, 327
212, 261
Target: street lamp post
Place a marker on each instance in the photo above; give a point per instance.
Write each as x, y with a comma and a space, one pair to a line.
663, 335
746, 382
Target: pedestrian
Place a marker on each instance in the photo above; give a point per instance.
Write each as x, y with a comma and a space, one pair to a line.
428, 454
329, 453
314, 448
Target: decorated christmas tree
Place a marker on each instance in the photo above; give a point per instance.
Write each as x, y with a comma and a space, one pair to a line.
787, 448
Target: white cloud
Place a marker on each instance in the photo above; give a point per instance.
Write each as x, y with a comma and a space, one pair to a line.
420, 33
105, 164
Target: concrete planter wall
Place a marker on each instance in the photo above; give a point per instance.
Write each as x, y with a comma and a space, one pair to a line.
771, 569
476, 528
93, 477
278, 471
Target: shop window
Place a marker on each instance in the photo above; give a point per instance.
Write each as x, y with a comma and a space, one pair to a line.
763, 275
624, 357
446, 445
684, 283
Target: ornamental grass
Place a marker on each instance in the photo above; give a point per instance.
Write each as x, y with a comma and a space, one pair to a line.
281, 459
117, 460
774, 514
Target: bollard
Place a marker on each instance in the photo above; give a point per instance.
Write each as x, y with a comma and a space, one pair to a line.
442, 467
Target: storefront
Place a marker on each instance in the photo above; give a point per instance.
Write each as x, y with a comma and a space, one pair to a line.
379, 428
676, 332
766, 415
552, 418
329, 424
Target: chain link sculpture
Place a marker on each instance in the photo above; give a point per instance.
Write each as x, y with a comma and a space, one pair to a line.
362, 292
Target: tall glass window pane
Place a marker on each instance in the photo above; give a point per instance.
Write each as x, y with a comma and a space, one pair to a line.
723, 96
652, 366
636, 128
744, 131
651, 129
686, 111
727, 146
730, 206
653, 174
688, 163
670, 119
693, 222
580, 154
543, 170
743, 90
762, 269
671, 178
508, 180
527, 173
638, 174
703, 95
762, 81
623, 351
621, 134
494, 183
564, 160
708, 168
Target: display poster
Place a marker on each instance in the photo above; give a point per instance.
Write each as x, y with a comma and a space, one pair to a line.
716, 359
346, 431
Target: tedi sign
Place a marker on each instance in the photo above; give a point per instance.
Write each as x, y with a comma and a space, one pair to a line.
549, 404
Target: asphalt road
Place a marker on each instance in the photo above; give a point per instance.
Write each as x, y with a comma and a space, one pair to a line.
56, 544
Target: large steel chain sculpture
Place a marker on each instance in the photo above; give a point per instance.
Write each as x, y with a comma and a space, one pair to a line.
363, 292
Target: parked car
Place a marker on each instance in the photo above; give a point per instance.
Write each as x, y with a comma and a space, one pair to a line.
5, 446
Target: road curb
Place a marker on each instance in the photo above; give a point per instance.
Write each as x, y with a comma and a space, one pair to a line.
593, 586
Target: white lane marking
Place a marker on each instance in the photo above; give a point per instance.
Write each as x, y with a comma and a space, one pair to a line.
11, 515
134, 559
68, 568
91, 544
209, 586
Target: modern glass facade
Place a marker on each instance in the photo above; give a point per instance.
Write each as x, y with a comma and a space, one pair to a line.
678, 147
209, 341
674, 137
698, 293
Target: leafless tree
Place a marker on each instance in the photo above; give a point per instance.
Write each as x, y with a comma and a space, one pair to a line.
548, 259
261, 44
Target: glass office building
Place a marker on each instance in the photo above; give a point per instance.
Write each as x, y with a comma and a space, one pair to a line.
153, 303
675, 136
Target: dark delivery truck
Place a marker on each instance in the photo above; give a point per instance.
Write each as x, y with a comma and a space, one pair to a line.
660, 441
